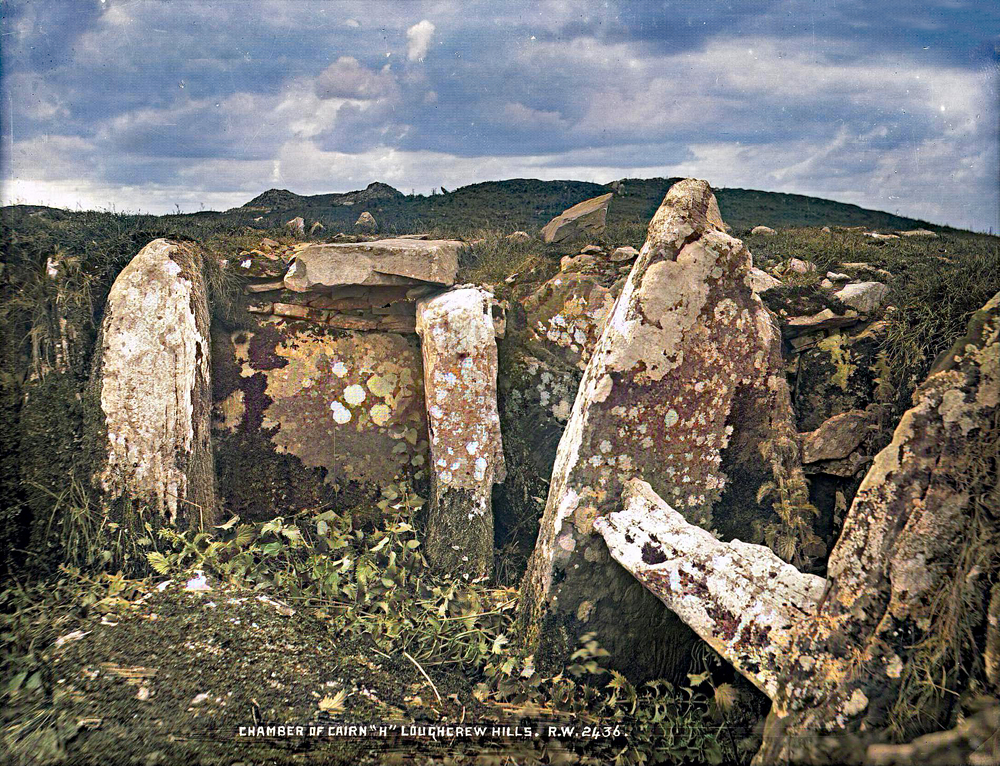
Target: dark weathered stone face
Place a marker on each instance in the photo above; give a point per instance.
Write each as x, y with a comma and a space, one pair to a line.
350, 404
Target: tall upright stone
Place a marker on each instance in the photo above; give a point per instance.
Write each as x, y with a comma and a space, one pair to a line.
151, 388
685, 389
460, 383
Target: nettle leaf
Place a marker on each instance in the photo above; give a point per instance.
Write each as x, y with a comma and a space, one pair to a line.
158, 562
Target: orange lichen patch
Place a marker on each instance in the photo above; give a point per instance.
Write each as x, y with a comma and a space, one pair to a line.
348, 402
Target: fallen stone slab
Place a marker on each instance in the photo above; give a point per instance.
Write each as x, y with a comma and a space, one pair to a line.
583, 219
822, 320
380, 262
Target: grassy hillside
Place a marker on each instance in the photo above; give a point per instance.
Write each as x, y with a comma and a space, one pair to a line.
528, 204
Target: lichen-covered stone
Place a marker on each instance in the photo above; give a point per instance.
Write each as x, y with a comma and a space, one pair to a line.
688, 354
460, 384
836, 438
349, 404
901, 570
152, 381
838, 374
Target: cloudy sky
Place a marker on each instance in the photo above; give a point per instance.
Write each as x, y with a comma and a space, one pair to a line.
148, 105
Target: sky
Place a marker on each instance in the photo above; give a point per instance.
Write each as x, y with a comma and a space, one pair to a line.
145, 105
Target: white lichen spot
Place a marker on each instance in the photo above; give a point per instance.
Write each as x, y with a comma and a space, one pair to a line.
354, 394
605, 446
472, 447
339, 369
480, 469
671, 418
340, 413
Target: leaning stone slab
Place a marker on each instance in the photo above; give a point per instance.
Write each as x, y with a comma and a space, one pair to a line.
586, 218
151, 387
460, 384
382, 262
739, 598
688, 353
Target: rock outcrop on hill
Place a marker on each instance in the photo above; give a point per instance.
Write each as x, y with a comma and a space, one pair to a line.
584, 219
151, 387
684, 387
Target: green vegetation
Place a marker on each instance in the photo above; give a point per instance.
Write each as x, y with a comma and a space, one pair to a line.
367, 590
368, 610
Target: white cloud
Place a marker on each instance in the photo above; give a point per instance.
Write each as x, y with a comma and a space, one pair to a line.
419, 37
347, 78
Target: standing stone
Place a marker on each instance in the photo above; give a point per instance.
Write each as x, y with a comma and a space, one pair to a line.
151, 387
366, 223
584, 219
460, 383
688, 354
297, 225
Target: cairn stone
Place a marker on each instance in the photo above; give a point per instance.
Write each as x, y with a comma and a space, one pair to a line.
460, 384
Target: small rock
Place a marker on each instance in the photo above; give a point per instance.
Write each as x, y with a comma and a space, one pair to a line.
801, 267
826, 229
766, 230
297, 225
366, 222
198, 583
837, 276
267, 244
866, 297
317, 226
625, 253
826, 284
591, 250
917, 233
876, 235
836, 438
761, 281
519, 237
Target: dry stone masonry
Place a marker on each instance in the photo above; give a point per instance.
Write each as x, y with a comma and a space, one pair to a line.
460, 383
687, 354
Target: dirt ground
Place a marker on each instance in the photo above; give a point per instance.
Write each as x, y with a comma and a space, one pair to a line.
172, 676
